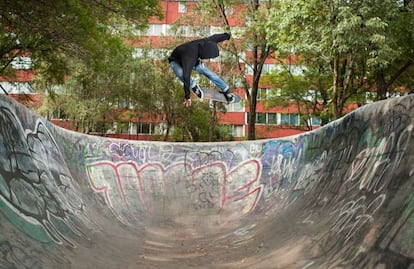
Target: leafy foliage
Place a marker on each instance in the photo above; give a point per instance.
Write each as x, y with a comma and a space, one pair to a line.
361, 45
307, 90
57, 33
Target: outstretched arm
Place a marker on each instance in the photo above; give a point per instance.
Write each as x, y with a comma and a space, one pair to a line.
219, 37
187, 69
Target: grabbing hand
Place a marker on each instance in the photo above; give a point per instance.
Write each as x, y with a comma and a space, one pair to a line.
187, 102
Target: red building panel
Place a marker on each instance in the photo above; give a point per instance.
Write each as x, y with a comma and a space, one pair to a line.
32, 100
171, 13
21, 75
273, 131
235, 118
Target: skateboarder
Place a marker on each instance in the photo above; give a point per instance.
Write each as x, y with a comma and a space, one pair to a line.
189, 56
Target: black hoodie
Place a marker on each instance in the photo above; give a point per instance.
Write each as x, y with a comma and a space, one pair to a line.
188, 55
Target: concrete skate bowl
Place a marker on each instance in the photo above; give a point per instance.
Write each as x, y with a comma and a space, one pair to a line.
337, 197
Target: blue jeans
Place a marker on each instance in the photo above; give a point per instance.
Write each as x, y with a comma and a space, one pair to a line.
202, 69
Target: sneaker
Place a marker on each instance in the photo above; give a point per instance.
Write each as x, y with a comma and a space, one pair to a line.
197, 90
229, 96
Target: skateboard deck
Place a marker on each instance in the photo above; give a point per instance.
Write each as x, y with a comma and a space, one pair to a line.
214, 95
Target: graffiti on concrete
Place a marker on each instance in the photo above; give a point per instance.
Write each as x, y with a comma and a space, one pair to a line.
348, 172
126, 185
37, 193
357, 165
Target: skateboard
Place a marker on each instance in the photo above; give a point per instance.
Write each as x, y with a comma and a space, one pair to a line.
214, 95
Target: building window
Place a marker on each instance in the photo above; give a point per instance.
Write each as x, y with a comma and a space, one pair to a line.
16, 87
289, 119
261, 94
315, 121
261, 118
145, 128
157, 54
141, 128
24, 63
229, 10
272, 118
277, 119
154, 30
269, 68
184, 30
237, 130
266, 93
182, 7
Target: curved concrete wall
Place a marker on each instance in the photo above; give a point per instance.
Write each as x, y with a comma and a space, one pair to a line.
340, 196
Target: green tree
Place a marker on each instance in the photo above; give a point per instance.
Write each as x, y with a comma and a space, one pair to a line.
79, 45
57, 33
90, 96
306, 90
357, 42
392, 52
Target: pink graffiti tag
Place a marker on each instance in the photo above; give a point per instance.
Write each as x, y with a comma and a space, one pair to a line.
242, 185
123, 184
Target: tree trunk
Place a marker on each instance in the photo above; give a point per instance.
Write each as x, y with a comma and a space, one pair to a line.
381, 86
342, 83
252, 116
213, 122
253, 101
167, 133
335, 87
